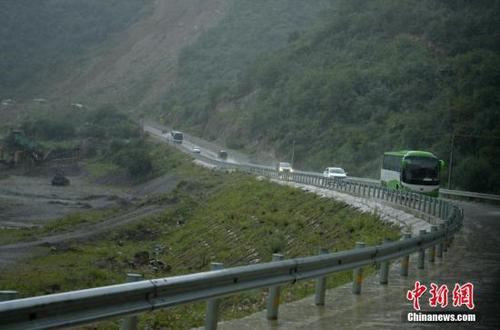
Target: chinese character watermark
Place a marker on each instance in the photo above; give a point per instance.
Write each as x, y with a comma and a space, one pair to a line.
463, 295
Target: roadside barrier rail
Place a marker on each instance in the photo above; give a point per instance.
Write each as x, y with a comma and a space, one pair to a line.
128, 299
469, 194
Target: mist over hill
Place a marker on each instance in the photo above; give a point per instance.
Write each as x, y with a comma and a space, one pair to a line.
364, 77
42, 39
341, 81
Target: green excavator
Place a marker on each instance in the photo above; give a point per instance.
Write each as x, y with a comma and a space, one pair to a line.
17, 146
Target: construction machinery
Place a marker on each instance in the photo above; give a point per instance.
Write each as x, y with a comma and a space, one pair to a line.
17, 147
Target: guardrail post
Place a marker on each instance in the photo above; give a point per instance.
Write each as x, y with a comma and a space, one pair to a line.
131, 322
445, 241
450, 237
439, 248
7, 295
273, 299
384, 268
319, 298
212, 309
357, 274
421, 253
405, 261
432, 249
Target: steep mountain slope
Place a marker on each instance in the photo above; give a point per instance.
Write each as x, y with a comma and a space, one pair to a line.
340, 80
97, 52
39, 40
138, 67
371, 77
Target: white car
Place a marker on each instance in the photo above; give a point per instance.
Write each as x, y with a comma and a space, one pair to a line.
334, 172
196, 150
285, 167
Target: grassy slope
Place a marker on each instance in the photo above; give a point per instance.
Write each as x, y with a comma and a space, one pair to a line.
211, 216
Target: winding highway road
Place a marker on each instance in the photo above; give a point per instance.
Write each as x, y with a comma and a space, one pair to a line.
474, 257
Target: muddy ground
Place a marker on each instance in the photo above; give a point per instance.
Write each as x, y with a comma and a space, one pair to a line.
29, 199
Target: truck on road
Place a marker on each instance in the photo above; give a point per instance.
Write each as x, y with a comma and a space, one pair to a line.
177, 136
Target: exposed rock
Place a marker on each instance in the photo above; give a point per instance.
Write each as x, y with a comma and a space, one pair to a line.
60, 180
141, 258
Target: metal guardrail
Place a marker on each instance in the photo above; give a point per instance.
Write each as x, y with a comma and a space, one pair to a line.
91, 305
367, 181
469, 194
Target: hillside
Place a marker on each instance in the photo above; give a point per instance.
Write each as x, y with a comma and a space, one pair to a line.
340, 80
42, 40
208, 216
97, 52
370, 76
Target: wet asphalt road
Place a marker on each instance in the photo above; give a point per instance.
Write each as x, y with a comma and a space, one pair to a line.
474, 257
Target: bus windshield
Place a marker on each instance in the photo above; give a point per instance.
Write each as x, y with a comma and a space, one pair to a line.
421, 170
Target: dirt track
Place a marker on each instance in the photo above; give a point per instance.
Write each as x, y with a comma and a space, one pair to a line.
27, 201
31, 201
13, 253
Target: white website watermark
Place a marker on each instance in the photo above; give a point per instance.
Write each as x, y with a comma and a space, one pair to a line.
441, 317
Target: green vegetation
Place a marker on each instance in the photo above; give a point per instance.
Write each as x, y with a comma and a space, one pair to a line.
210, 216
209, 69
109, 139
99, 169
69, 222
367, 77
346, 80
41, 39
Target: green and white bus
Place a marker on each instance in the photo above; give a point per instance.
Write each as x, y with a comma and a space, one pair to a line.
417, 171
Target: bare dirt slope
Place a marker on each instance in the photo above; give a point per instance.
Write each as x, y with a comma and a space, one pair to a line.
137, 67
